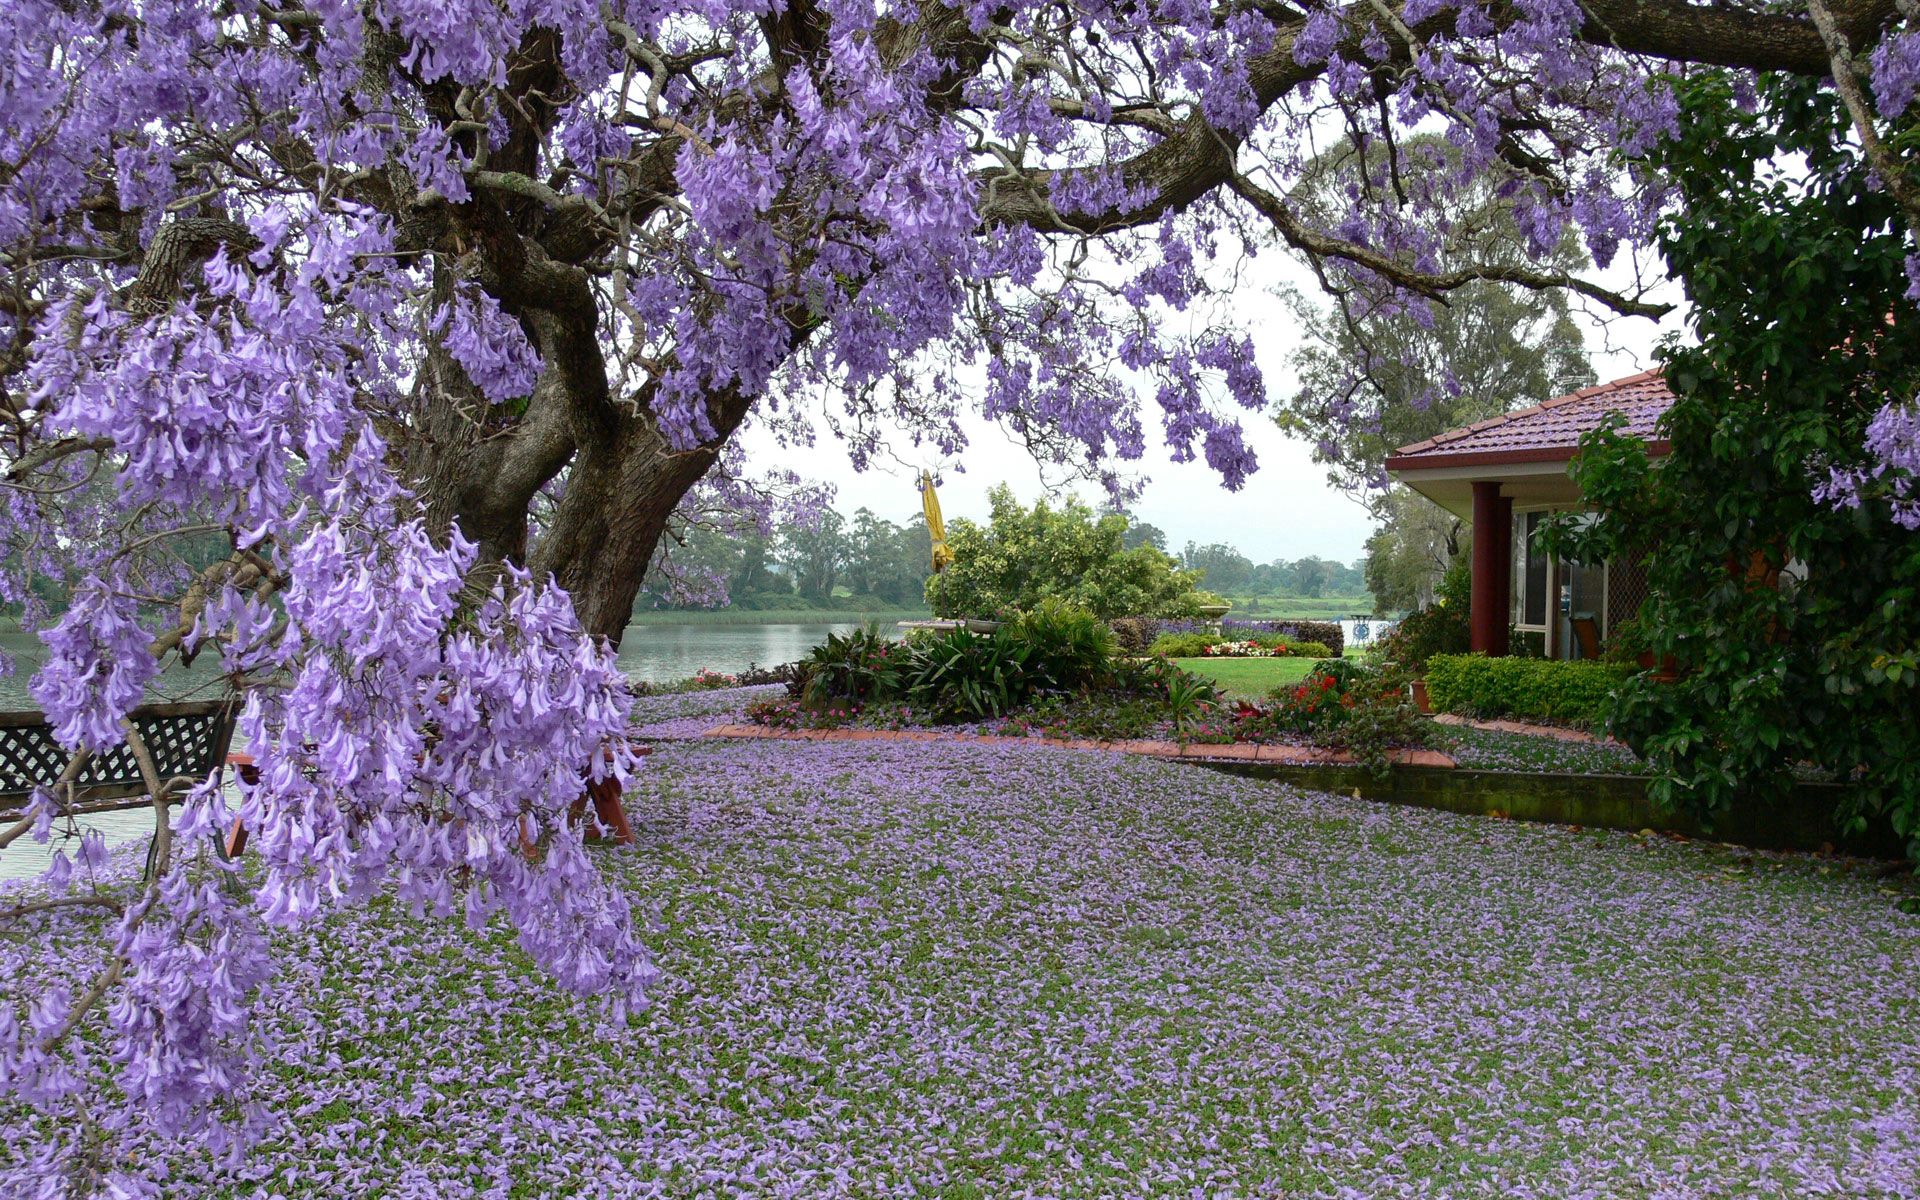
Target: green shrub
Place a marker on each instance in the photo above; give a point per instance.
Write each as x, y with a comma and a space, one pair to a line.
1025, 555
1068, 646
957, 675
1342, 705
852, 667
1133, 634
1310, 650
1442, 627
1537, 689
1182, 645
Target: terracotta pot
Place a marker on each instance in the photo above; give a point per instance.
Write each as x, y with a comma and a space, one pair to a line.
1420, 701
1668, 668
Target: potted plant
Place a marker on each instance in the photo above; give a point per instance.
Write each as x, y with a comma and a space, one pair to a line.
1629, 643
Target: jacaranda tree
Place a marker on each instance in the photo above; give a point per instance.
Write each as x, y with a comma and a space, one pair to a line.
432, 313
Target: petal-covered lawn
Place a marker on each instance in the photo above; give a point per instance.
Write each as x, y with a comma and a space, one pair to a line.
1007, 972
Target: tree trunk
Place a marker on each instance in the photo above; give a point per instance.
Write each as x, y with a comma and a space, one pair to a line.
601, 536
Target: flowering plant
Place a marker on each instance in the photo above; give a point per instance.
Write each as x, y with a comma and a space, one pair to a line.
1246, 649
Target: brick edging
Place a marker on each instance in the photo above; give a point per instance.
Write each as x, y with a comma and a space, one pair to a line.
1559, 733
1241, 751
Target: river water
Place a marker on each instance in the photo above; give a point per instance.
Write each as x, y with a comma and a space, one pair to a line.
654, 653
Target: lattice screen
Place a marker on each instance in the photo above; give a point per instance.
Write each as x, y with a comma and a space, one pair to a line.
1626, 590
184, 739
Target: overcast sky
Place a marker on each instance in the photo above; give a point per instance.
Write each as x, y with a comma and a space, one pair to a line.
1285, 511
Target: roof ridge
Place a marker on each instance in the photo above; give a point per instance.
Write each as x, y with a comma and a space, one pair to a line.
1499, 419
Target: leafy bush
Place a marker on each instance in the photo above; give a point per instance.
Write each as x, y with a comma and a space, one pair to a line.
1188, 697
1343, 705
1442, 627
958, 675
1023, 556
1153, 678
1133, 634
1068, 646
1182, 645
1539, 689
1345, 672
1376, 723
853, 667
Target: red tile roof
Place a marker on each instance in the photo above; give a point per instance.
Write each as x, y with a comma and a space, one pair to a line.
1547, 432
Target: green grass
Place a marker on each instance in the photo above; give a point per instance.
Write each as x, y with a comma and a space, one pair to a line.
1249, 677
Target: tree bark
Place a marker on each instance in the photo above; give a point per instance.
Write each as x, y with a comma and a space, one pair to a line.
601, 536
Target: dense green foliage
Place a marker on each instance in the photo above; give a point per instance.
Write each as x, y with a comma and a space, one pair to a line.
1793, 621
958, 675
1531, 689
1023, 556
855, 667
1071, 646
1442, 627
955, 674
1048, 655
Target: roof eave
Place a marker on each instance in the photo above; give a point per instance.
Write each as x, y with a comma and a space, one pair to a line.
1431, 461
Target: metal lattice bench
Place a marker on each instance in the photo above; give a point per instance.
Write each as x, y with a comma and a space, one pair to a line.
187, 743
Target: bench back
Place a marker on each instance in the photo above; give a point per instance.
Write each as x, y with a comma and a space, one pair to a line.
188, 738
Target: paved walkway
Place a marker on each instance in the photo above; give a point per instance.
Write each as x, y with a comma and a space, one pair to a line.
1558, 733
1244, 752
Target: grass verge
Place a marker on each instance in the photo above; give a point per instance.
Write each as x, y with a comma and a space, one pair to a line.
1249, 677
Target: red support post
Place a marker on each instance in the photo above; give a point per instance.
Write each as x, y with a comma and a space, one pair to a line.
1492, 568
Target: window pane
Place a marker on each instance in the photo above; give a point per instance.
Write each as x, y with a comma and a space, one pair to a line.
1535, 590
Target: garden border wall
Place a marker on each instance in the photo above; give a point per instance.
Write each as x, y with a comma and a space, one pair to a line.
1803, 822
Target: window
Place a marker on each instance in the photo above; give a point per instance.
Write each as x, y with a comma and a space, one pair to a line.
1530, 572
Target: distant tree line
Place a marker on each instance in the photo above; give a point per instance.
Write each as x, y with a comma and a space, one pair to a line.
1232, 573
867, 560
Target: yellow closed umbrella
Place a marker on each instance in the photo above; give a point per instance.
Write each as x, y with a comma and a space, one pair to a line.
936, 528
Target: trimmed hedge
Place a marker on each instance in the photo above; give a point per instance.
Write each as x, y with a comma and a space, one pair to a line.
1533, 689
1134, 634
1326, 633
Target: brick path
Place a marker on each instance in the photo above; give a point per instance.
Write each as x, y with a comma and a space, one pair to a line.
1293, 755
1556, 732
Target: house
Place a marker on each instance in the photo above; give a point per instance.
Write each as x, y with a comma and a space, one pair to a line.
1507, 474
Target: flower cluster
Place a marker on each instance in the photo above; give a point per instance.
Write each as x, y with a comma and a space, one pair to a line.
1245, 649
1893, 476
